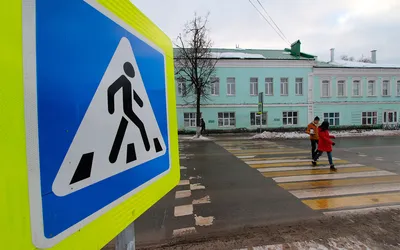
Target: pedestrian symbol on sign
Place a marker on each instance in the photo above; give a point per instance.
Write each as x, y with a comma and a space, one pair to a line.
97, 150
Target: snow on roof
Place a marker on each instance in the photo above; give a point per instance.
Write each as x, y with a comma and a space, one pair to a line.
239, 55
342, 63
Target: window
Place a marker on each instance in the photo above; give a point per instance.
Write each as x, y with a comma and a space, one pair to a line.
181, 86
326, 88
356, 88
215, 86
269, 86
341, 88
385, 88
371, 88
389, 117
398, 88
253, 86
231, 86
332, 118
256, 118
369, 118
226, 119
299, 86
289, 118
284, 86
189, 119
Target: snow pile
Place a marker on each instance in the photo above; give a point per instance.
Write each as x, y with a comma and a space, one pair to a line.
239, 55
344, 63
351, 133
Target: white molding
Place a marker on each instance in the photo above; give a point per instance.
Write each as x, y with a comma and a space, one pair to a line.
356, 71
361, 87
390, 86
357, 103
244, 105
345, 86
243, 63
375, 86
329, 87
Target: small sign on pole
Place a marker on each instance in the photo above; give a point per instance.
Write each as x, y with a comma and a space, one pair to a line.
260, 103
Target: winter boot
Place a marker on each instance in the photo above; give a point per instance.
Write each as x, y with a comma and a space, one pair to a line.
314, 163
332, 168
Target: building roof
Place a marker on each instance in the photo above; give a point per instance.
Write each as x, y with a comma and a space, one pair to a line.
350, 64
260, 54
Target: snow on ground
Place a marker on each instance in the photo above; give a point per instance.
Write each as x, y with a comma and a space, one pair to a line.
195, 138
351, 133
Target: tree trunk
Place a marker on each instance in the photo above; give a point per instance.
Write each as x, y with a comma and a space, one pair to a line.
198, 114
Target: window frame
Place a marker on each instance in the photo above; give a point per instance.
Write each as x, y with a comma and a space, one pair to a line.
374, 87
397, 87
340, 82
395, 115
284, 85
189, 119
260, 120
181, 86
374, 115
213, 86
226, 118
326, 82
271, 85
254, 86
329, 118
287, 117
360, 89
301, 88
384, 81
228, 88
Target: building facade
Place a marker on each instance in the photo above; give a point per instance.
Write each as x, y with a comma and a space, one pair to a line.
296, 87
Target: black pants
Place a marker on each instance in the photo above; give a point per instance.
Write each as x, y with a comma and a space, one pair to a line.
203, 130
314, 144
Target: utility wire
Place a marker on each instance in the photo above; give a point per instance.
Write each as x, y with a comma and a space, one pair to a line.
268, 21
272, 20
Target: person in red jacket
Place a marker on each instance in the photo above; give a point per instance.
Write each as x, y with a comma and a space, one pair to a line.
325, 144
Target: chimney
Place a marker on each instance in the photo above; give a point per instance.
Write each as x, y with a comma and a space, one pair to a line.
295, 48
332, 55
373, 56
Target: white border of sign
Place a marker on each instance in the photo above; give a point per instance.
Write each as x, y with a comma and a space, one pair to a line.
31, 124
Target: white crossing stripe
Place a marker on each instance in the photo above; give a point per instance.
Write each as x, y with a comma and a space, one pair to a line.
264, 170
183, 182
183, 231
285, 160
337, 191
183, 194
245, 156
361, 210
332, 176
183, 210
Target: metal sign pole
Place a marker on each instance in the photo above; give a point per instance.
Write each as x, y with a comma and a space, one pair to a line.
126, 239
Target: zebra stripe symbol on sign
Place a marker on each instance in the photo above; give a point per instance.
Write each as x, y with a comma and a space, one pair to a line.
127, 136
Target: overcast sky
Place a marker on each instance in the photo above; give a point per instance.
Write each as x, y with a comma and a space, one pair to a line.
352, 27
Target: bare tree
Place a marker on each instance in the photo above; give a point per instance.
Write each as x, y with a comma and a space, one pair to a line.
347, 58
195, 64
351, 59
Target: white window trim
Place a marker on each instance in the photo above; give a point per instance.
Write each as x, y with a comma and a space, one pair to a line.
397, 82
272, 86
179, 83
287, 87
377, 115
266, 121
302, 86
323, 117
228, 126
288, 125
251, 86
195, 119
352, 87
329, 87
387, 118
344, 88
375, 86
390, 87
227, 84
213, 87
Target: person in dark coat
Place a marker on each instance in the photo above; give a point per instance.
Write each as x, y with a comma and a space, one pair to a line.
203, 126
325, 144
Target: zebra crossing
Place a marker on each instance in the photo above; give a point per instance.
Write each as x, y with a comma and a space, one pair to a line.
353, 187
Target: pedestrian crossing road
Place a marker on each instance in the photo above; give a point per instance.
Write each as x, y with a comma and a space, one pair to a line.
354, 187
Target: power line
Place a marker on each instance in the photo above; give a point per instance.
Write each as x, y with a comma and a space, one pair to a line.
268, 22
272, 20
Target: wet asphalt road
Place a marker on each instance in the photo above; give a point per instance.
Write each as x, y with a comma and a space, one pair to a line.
220, 192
